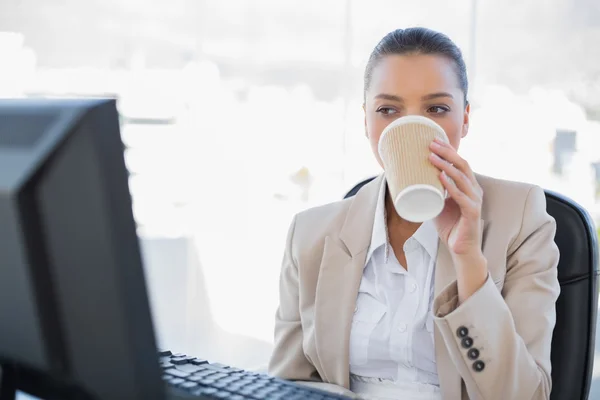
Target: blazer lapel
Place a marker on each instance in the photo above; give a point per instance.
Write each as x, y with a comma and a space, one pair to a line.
337, 286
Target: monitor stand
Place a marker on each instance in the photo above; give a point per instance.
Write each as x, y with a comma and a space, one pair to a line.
16, 379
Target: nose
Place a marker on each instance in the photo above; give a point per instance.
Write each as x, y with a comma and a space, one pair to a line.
416, 111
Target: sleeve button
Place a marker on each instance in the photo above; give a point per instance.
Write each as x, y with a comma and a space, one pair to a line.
462, 332
467, 342
473, 354
478, 366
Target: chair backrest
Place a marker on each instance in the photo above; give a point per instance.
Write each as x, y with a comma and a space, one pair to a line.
577, 306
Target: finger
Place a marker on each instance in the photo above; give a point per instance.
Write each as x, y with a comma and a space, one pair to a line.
448, 153
468, 207
463, 183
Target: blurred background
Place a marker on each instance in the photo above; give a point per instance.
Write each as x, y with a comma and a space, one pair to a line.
238, 114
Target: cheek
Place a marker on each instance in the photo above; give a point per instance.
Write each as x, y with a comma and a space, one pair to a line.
453, 130
375, 127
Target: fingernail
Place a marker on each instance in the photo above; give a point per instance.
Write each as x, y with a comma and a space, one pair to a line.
435, 156
435, 144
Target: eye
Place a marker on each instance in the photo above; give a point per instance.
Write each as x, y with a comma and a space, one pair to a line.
386, 110
438, 109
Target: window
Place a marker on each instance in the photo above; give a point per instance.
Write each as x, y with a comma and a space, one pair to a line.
237, 114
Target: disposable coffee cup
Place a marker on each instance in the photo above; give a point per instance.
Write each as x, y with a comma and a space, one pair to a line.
413, 181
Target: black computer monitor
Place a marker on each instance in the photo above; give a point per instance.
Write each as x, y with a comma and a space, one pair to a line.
75, 320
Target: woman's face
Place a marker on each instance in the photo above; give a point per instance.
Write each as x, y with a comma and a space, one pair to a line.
425, 85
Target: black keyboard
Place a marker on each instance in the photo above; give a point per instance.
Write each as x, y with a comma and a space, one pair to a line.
197, 377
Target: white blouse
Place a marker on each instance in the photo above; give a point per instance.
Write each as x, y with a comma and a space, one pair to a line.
392, 329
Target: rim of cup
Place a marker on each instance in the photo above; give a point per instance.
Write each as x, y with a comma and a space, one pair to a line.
425, 216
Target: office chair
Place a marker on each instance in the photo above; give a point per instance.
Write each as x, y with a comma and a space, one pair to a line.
574, 333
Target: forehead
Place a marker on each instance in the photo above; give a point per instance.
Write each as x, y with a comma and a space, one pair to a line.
414, 75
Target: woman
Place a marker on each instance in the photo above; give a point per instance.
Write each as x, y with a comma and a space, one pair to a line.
459, 307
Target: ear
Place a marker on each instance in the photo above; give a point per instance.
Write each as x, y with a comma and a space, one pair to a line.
365, 118
466, 120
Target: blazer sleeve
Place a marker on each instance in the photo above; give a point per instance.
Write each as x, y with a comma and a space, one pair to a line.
500, 343
288, 360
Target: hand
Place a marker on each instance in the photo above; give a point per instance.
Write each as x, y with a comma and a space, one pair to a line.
459, 224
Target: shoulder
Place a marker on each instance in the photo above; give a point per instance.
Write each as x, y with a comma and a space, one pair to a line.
513, 210
313, 225
346, 223
500, 189
509, 199
324, 216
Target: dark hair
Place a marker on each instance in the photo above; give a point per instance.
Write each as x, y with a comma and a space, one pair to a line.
418, 41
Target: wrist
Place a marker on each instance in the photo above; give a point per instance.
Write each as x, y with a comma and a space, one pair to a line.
471, 274
469, 260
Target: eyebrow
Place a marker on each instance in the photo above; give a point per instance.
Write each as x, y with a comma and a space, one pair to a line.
431, 96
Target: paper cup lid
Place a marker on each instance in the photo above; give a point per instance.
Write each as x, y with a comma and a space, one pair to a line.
419, 203
411, 119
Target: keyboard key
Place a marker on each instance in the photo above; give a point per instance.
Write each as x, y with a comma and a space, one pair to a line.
177, 355
278, 396
205, 373
222, 395
176, 381
188, 385
234, 388
177, 373
189, 368
214, 367
218, 376
205, 390
164, 353
255, 387
219, 385
180, 360
198, 361
166, 365
195, 378
229, 380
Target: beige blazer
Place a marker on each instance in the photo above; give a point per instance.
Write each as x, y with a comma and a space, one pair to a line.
510, 319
